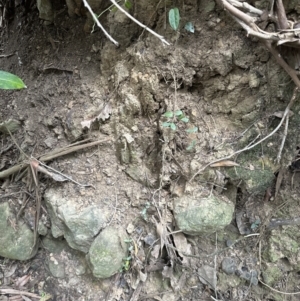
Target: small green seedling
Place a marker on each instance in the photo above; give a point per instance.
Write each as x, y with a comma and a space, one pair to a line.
255, 225
144, 211
10, 81
173, 117
127, 260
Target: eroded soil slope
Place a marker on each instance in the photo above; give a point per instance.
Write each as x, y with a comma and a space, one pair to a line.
161, 113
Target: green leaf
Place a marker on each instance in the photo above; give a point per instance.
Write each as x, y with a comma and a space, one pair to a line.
178, 113
189, 27
174, 18
192, 130
10, 81
128, 4
173, 126
166, 124
168, 114
185, 119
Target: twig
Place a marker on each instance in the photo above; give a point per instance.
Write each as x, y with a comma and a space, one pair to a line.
6, 55
44, 170
286, 112
273, 289
138, 22
50, 156
99, 24
283, 138
4, 291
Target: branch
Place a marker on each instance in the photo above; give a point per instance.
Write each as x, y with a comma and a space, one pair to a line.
98, 23
286, 112
138, 22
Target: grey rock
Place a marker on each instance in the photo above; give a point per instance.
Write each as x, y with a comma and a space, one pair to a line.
149, 239
16, 241
107, 252
42, 229
77, 223
229, 265
204, 215
55, 246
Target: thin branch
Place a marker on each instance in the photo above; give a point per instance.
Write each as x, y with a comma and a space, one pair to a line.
52, 155
99, 24
286, 112
273, 289
138, 22
283, 138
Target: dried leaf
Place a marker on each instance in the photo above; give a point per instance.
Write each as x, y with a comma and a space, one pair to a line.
224, 163
182, 245
155, 251
279, 114
143, 276
11, 271
10, 125
208, 276
103, 115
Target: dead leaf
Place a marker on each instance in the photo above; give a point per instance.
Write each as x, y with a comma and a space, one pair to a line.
208, 276
279, 114
182, 246
167, 272
11, 271
101, 115
10, 125
143, 276
224, 163
155, 251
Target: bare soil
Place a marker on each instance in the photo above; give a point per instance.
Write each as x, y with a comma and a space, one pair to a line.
71, 77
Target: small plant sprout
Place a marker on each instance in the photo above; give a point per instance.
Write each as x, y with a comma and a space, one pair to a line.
127, 260
144, 211
178, 116
173, 118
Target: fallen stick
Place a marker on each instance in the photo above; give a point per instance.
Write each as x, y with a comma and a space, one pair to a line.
50, 156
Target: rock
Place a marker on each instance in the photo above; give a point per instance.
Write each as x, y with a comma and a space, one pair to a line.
284, 243
79, 224
16, 240
45, 11
229, 265
106, 254
42, 229
204, 215
271, 274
